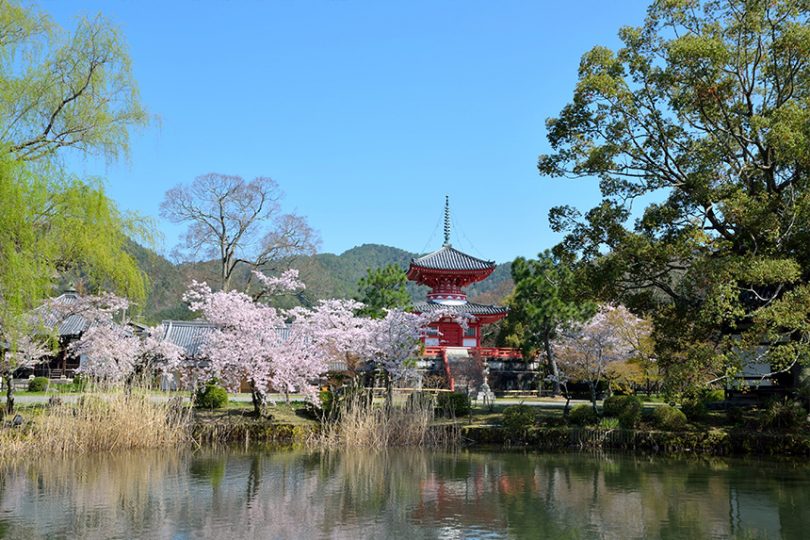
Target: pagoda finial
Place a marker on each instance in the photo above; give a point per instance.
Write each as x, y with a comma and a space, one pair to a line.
447, 220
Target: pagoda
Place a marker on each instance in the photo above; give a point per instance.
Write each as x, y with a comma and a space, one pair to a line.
447, 271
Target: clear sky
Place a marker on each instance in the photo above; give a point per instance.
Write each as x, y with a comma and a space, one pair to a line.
366, 113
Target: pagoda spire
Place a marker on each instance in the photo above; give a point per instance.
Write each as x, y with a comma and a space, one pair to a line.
447, 220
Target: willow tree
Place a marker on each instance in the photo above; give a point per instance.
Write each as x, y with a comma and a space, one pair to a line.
59, 90
705, 109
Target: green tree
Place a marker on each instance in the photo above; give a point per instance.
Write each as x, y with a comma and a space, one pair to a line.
56, 92
547, 296
706, 109
381, 289
64, 90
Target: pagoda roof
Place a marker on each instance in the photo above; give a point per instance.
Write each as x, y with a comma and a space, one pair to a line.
469, 308
449, 258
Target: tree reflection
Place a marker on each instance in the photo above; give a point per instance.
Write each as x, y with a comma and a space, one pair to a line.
402, 493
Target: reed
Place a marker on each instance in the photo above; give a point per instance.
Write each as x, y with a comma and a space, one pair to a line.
100, 421
360, 424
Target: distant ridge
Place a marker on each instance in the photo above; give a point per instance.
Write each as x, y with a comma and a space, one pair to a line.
326, 276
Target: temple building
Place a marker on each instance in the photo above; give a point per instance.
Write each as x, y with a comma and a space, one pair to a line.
454, 348
447, 271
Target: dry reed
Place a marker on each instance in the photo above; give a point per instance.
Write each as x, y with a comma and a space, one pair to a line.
362, 425
98, 422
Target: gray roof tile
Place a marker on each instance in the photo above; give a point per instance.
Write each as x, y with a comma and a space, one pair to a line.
468, 308
449, 258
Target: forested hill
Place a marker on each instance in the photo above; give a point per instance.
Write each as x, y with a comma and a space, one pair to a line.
326, 276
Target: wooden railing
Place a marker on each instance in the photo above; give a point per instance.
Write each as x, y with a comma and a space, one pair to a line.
503, 353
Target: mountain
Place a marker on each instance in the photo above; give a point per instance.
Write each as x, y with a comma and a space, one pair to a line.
326, 275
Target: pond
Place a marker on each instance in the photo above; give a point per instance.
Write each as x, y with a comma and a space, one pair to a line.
402, 494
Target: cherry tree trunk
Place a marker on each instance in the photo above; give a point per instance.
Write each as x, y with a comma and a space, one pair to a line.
8, 379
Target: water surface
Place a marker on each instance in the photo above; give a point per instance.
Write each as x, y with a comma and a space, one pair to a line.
402, 494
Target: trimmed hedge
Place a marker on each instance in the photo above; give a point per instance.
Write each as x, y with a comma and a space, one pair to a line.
211, 396
582, 415
669, 418
519, 417
626, 408
453, 404
694, 408
38, 384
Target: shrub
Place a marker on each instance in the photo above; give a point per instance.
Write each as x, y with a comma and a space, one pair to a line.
694, 408
453, 404
38, 384
626, 408
582, 415
783, 414
519, 417
669, 418
211, 396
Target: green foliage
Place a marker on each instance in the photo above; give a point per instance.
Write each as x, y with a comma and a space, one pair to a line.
583, 415
38, 384
626, 408
615, 406
669, 418
784, 414
60, 89
547, 295
706, 104
519, 417
381, 289
694, 408
211, 396
453, 404
609, 423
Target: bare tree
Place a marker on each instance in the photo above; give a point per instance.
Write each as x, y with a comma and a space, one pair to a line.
237, 222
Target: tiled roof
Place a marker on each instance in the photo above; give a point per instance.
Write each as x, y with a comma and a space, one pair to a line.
191, 335
72, 325
449, 258
469, 308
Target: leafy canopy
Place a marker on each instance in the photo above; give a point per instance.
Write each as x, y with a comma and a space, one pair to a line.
381, 289
705, 108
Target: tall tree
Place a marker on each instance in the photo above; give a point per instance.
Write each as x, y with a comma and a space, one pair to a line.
237, 222
706, 109
547, 297
64, 90
382, 289
60, 91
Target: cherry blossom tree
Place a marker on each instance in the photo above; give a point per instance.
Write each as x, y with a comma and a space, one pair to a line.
22, 351
111, 350
396, 339
586, 350
255, 343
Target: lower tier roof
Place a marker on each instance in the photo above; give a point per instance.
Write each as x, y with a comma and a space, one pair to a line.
468, 308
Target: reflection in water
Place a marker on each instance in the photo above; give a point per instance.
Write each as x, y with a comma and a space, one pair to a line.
409, 494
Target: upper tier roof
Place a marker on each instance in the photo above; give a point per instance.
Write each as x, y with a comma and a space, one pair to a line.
449, 258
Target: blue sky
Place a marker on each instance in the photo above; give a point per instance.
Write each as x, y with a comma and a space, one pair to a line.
366, 113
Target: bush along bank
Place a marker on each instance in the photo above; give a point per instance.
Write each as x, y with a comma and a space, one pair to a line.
713, 441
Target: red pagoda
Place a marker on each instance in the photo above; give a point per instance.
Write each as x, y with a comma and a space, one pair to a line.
447, 271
